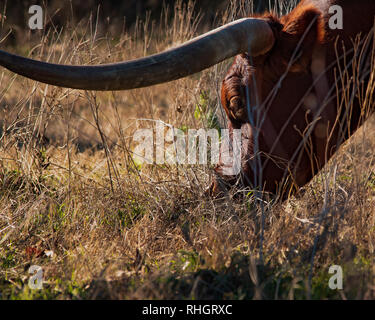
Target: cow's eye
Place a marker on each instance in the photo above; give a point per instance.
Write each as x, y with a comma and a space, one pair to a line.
237, 108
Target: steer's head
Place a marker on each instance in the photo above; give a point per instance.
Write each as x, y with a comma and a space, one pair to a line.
253, 78
265, 95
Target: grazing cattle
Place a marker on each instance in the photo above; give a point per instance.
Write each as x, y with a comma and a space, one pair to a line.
309, 93
297, 89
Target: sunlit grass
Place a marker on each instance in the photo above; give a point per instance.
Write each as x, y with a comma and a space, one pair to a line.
118, 229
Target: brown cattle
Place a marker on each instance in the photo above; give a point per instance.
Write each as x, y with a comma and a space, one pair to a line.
296, 89
300, 101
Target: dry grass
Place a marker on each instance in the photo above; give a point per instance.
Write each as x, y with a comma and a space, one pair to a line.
121, 230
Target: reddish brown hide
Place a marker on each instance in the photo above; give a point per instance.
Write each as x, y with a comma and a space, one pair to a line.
290, 102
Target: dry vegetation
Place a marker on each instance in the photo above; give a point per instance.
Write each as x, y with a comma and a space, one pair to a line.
117, 229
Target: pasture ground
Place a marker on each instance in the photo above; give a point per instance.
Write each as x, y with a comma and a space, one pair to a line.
101, 226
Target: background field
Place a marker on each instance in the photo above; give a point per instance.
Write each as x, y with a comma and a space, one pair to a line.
74, 202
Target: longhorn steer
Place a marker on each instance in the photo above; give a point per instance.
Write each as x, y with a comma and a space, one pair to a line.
294, 88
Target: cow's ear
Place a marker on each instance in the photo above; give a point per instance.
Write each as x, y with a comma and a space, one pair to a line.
301, 30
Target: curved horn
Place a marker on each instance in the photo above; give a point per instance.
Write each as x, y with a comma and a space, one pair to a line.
245, 35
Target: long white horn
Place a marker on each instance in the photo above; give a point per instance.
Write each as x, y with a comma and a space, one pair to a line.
250, 35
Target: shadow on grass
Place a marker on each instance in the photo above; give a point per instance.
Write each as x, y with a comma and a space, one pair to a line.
241, 280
